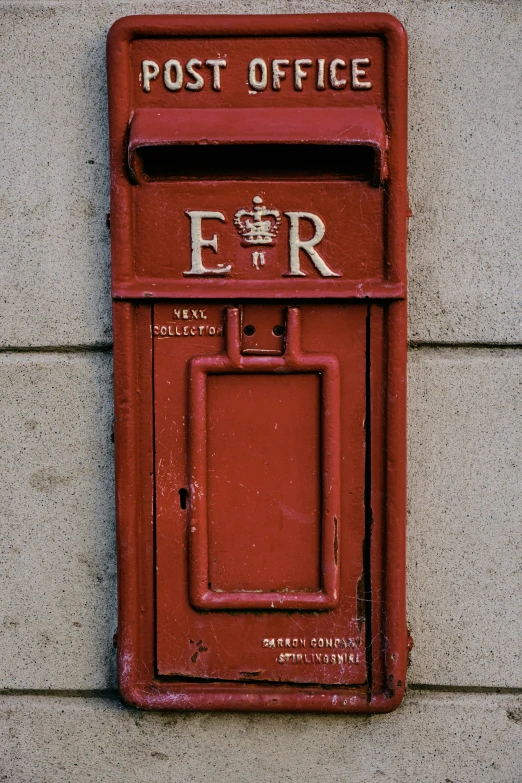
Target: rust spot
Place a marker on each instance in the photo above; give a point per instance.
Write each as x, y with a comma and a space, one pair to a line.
194, 657
250, 674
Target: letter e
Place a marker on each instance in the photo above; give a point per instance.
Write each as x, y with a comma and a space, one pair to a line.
197, 243
357, 84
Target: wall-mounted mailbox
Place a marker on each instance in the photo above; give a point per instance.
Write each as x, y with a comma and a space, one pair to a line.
258, 221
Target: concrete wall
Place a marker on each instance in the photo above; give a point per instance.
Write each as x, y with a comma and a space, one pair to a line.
60, 718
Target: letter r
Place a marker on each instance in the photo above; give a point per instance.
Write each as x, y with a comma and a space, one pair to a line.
308, 245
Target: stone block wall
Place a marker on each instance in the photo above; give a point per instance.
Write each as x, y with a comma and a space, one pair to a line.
60, 716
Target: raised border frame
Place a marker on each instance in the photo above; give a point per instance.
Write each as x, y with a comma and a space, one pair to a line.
292, 361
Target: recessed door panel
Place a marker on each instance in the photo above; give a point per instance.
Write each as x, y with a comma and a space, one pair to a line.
251, 552
264, 483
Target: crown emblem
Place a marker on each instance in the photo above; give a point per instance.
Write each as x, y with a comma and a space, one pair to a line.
258, 226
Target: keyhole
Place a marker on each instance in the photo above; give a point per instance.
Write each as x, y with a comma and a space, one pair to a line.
183, 495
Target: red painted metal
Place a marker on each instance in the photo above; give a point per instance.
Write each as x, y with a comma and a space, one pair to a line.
260, 385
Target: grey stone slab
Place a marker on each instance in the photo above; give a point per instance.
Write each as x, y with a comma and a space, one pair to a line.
465, 92
432, 738
466, 235
464, 525
54, 251
57, 565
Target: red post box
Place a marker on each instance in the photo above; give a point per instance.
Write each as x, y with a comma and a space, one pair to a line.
258, 222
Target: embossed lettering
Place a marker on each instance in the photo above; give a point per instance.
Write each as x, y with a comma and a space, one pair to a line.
176, 73
216, 66
258, 74
357, 72
191, 68
307, 245
198, 242
149, 72
170, 83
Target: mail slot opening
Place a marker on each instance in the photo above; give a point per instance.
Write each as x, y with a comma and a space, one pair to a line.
256, 161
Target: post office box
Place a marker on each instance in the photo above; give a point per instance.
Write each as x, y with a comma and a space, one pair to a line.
258, 225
